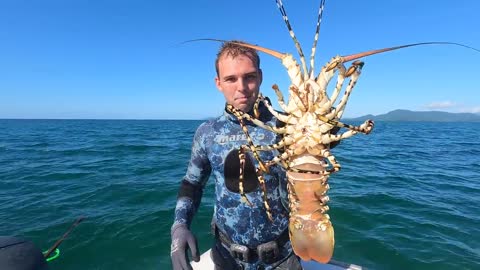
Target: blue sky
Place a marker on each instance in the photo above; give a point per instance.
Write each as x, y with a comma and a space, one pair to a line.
124, 59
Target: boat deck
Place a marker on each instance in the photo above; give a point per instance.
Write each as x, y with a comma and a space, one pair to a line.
206, 263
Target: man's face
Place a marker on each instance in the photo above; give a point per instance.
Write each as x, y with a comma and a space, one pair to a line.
239, 80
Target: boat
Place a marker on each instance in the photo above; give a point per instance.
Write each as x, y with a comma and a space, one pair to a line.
206, 263
18, 253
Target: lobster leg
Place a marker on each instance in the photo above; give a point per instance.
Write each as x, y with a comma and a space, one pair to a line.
280, 99
365, 128
351, 84
241, 157
262, 168
335, 165
241, 115
297, 98
261, 180
283, 118
323, 79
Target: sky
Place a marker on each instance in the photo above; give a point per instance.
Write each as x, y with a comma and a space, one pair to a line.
119, 59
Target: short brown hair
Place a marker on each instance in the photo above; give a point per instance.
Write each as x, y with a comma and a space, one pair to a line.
233, 48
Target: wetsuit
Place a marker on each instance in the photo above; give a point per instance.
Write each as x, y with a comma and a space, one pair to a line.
215, 150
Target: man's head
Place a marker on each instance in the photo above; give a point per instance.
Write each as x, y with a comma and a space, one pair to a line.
238, 75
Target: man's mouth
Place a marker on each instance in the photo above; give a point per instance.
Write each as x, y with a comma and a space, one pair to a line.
241, 99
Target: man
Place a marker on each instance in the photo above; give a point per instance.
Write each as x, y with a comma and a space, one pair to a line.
244, 236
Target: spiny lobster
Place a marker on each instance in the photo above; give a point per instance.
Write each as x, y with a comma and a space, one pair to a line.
310, 116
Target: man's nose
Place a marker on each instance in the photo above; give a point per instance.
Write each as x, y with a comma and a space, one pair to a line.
243, 85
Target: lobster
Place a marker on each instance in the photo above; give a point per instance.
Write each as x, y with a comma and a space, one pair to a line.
311, 120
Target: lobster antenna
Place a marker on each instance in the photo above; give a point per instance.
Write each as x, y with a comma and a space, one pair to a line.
292, 34
315, 39
271, 52
372, 52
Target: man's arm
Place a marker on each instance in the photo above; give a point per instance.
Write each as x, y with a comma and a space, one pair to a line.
191, 188
188, 201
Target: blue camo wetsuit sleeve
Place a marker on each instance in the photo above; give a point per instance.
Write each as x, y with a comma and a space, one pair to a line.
197, 175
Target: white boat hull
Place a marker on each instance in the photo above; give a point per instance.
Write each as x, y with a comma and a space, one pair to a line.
206, 263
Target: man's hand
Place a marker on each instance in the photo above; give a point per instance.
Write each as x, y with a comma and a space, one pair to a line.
182, 238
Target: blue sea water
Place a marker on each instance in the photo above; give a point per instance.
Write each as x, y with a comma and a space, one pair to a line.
408, 195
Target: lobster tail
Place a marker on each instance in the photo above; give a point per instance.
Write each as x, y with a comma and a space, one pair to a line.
311, 232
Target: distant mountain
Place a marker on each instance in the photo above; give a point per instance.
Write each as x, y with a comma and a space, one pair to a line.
421, 116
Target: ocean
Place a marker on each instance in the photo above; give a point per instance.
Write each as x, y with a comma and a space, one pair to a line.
407, 197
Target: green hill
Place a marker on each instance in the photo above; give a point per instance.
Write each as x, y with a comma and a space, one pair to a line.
420, 116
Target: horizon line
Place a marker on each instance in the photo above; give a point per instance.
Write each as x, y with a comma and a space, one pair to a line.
212, 117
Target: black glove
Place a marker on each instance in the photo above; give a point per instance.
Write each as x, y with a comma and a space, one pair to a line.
182, 238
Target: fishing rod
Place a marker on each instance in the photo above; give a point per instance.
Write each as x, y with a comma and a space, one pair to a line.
59, 241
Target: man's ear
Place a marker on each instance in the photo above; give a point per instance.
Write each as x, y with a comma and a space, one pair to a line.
261, 75
217, 84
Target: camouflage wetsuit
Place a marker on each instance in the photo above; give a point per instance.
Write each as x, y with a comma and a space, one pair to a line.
215, 150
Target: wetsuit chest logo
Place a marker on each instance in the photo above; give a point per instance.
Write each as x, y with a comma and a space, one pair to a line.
223, 139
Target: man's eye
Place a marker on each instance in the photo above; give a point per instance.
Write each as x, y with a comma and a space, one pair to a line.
251, 76
230, 79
